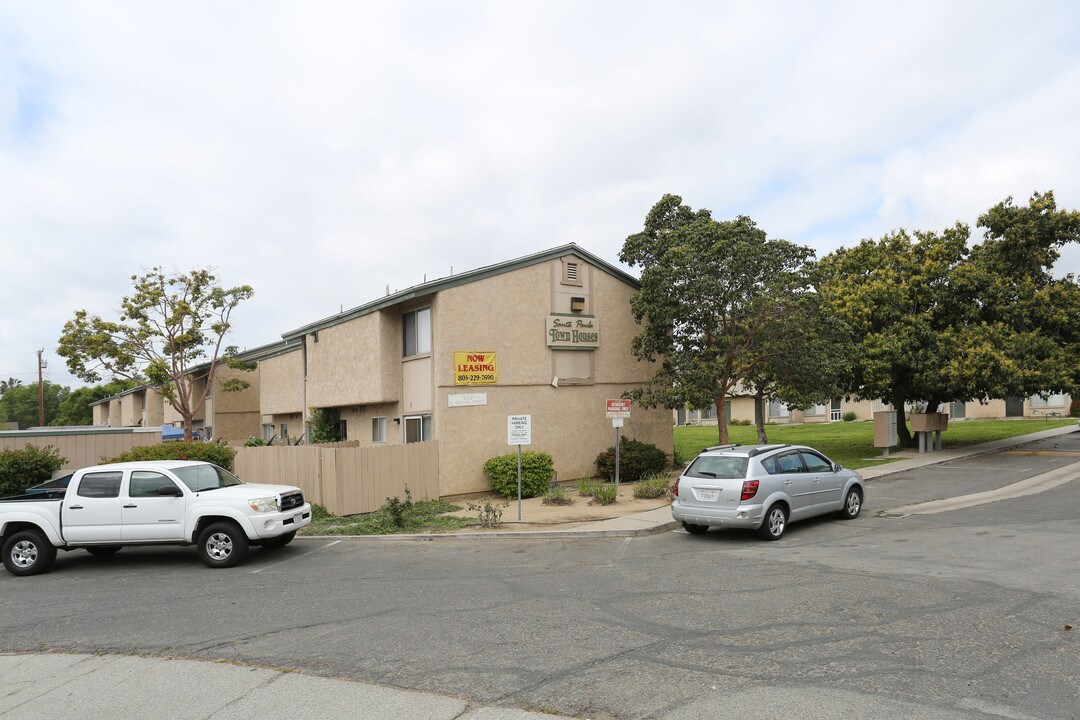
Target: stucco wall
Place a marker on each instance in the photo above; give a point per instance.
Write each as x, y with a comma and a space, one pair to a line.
281, 384
356, 362
507, 314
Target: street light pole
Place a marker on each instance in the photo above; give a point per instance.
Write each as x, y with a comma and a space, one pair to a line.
40, 392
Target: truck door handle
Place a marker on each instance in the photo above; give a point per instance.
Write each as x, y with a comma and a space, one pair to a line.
131, 505
75, 507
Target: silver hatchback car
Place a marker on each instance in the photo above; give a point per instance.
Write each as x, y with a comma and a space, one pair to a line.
763, 488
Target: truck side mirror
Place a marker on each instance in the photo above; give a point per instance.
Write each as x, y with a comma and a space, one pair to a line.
170, 490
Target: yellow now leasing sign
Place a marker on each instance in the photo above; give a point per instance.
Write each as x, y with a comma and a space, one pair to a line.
475, 368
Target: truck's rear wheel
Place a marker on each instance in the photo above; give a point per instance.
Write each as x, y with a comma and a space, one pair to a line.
28, 552
222, 545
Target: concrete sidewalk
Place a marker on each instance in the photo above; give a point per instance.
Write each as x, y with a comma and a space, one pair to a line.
122, 687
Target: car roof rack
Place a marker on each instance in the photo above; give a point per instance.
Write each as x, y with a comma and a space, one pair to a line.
767, 448
721, 447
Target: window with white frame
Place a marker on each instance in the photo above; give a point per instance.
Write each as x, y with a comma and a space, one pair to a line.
416, 332
378, 429
267, 432
1049, 401
417, 428
778, 409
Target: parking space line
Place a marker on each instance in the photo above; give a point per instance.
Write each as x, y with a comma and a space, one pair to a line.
280, 562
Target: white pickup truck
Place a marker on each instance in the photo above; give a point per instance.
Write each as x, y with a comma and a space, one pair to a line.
164, 502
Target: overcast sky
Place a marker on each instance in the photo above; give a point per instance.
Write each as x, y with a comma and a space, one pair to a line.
323, 151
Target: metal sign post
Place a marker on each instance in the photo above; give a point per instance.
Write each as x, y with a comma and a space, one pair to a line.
519, 432
618, 411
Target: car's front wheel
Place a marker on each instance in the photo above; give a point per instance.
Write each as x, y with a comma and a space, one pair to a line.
222, 545
28, 552
694, 529
852, 504
775, 523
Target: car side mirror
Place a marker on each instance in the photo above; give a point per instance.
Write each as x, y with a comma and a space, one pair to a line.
837, 467
170, 491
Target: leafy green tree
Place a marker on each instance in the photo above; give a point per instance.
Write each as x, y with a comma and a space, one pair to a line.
8, 384
802, 353
75, 409
937, 321
20, 404
709, 291
169, 324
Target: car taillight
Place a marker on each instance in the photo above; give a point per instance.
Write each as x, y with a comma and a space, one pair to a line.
675, 489
749, 489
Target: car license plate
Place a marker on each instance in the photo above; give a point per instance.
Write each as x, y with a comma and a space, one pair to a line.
707, 495
298, 518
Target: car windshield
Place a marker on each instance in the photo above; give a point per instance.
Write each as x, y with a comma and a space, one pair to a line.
718, 466
199, 478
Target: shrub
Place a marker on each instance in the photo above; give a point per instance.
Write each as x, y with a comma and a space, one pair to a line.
586, 487
606, 493
1074, 409
850, 416
741, 423
254, 442
397, 509
558, 496
318, 512
217, 453
651, 487
20, 469
537, 470
488, 513
636, 460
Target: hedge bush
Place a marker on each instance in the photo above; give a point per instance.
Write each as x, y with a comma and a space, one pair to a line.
217, 453
20, 469
636, 460
537, 471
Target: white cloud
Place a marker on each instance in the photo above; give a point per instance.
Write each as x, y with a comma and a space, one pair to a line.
321, 152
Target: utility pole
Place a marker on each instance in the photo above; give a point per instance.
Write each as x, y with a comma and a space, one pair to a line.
40, 390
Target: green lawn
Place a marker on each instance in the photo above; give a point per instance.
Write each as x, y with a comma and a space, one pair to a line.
852, 443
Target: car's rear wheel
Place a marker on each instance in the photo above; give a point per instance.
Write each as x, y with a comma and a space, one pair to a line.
694, 529
100, 550
222, 545
774, 524
279, 541
852, 504
28, 552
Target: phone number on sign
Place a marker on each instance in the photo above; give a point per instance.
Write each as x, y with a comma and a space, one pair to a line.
474, 378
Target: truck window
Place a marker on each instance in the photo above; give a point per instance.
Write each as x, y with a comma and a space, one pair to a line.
144, 483
100, 485
205, 477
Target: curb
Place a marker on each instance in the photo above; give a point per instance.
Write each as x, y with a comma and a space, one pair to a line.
510, 534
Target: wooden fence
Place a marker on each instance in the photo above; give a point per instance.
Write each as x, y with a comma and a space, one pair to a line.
346, 480
82, 447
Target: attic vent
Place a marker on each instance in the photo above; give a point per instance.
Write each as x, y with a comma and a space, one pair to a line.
571, 273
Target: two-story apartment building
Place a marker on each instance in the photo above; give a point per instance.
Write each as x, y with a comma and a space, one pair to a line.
547, 335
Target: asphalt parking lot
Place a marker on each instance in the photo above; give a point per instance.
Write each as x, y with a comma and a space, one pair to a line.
953, 615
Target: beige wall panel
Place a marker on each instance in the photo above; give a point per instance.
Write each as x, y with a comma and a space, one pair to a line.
993, 409
359, 423
155, 408
236, 427
568, 422
115, 414
281, 384
356, 362
505, 313
242, 401
101, 413
416, 392
614, 362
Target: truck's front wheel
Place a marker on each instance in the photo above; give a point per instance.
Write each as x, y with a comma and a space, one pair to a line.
28, 552
222, 545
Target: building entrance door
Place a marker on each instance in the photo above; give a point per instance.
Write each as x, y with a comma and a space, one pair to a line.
1014, 407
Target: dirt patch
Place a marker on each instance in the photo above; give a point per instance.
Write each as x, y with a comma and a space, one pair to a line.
537, 516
